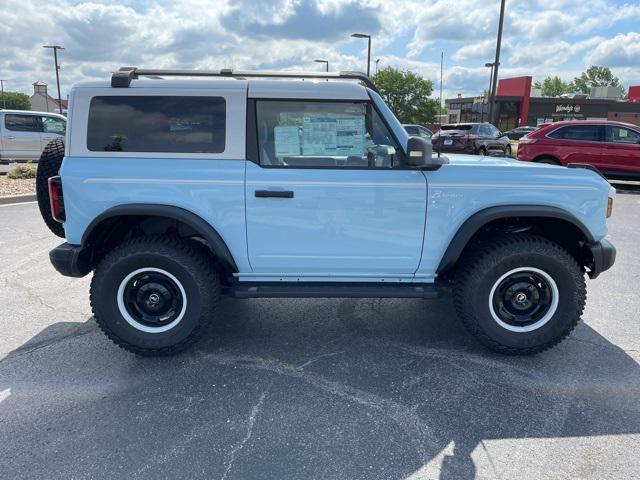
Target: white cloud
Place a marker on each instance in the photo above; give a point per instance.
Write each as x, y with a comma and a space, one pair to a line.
540, 38
466, 20
479, 50
620, 51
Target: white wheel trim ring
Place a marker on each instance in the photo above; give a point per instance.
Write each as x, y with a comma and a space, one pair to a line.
137, 325
543, 320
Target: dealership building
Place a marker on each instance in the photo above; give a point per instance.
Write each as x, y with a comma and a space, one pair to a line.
518, 104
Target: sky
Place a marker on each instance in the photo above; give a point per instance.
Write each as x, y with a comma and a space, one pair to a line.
541, 38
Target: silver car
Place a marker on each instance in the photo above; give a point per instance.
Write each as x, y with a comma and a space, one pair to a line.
23, 134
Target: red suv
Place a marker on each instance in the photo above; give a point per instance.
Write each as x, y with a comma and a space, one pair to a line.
612, 147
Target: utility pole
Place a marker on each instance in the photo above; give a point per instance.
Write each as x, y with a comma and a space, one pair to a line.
496, 64
368, 37
488, 65
4, 105
55, 59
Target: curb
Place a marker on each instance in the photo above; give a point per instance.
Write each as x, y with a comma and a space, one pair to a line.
30, 197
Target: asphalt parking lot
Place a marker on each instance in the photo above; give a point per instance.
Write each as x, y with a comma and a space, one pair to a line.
322, 388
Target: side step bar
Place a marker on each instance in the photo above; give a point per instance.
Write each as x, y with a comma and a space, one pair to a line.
333, 290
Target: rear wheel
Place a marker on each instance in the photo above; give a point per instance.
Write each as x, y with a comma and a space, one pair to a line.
155, 295
519, 294
507, 150
548, 161
49, 166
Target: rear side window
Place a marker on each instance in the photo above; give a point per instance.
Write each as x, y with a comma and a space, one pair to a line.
622, 135
158, 124
578, 132
22, 123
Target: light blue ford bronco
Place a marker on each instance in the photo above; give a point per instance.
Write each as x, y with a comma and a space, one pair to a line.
177, 191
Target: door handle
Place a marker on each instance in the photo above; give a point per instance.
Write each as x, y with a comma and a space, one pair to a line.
10, 137
274, 193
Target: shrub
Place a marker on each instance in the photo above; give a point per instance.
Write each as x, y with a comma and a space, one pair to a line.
22, 171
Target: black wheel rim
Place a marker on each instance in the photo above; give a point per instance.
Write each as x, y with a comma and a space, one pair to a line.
522, 298
152, 299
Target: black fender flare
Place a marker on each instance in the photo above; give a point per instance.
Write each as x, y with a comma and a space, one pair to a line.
476, 221
197, 223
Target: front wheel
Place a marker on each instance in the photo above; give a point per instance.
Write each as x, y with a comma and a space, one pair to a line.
519, 294
155, 295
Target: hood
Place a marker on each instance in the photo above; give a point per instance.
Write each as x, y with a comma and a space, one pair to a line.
481, 160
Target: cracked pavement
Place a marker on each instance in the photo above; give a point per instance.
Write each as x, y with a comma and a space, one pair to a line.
322, 388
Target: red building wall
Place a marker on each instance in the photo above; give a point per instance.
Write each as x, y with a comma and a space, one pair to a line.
634, 94
517, 87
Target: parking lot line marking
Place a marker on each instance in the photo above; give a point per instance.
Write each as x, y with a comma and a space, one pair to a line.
20, 203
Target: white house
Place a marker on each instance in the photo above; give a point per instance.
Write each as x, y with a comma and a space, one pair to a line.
41, 101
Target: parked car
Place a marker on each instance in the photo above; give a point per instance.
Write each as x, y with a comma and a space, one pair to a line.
474, 138
23, 134
418, 131
612, 147
519, 132
175, 192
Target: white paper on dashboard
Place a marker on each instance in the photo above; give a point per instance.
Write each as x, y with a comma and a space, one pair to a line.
318, 135
350, 136
287, 140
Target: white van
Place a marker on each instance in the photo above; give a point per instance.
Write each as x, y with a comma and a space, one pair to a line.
23, 134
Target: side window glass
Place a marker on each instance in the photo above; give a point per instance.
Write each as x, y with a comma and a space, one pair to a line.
577, 132
412, 130
324, 134
22, 123
424, 133
154, 123
623, 135
54, 125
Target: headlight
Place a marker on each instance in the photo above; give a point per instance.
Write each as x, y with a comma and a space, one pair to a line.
609, 206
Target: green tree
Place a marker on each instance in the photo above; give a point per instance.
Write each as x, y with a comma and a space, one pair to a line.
16, 101
407, 95
554, 86
596, 77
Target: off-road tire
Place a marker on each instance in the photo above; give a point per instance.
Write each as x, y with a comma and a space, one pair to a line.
189, 262
49, 166
483, 266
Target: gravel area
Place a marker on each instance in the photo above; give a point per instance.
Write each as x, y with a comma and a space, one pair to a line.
16, 187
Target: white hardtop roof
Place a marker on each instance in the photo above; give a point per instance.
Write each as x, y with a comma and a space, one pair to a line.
257, 88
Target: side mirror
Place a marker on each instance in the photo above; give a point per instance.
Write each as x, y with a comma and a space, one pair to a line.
420, 155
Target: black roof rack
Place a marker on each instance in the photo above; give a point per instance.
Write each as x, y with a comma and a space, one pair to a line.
122, 78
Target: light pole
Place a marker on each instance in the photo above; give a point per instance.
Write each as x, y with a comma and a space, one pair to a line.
488, 65
496, 64
377, 62
326, 62
368, 37
4, 105
55, 60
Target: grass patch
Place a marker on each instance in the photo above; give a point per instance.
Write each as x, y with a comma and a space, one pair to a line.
22, 171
